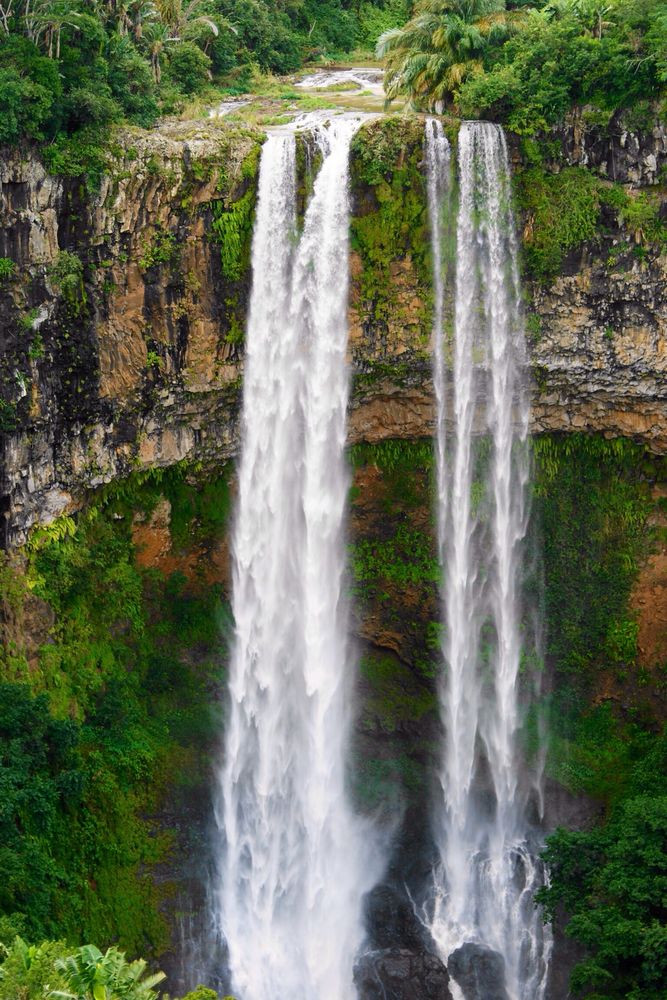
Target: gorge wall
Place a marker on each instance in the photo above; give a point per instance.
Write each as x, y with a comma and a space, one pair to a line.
121, 375
123, 319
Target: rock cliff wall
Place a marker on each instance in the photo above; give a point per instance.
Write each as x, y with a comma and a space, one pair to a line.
122, 338
122, 323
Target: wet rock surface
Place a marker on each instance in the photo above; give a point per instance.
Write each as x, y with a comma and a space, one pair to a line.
392, 922
401, 974
401, 963
479, 971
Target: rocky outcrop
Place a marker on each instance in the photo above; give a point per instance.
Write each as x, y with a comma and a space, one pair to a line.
625, 149
401, 962
479, 971
119, 325
599, 350
399, 974
122, 325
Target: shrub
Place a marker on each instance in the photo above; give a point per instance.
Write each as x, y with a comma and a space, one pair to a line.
24, 107
84, 106
201, 993
131, 82
78, 155
30, 89
7, 268
66, 274
188, 67
28, 970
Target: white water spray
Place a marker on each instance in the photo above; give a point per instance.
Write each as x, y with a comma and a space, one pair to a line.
488, 876
296, 861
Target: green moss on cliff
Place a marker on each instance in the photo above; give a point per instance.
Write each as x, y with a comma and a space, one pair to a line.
561, 211
394, 571
389, 227
115, 665
395, 698
593, 500
231, 227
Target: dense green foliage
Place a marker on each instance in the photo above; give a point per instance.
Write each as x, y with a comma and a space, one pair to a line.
526, 64
90, 975
71, 68
52, 970
612, 880
390, 222
594, 501
105, 712
28, 971
563, 210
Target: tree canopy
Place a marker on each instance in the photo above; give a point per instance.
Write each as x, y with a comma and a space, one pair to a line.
73, 65
612, 880
527, 64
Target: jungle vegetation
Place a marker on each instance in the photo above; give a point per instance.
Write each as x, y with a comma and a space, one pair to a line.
74, 67
525, 64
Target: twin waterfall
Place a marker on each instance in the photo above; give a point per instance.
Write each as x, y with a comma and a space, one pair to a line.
296, 860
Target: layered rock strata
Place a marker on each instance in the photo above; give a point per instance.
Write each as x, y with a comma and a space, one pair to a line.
122, 324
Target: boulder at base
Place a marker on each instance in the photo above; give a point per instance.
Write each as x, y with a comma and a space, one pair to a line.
400, 974
479, 971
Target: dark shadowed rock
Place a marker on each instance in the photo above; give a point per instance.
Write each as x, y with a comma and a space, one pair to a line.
400, 974
479, 971
392, 922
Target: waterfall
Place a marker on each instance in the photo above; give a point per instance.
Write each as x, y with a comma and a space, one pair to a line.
296, 862
489, 872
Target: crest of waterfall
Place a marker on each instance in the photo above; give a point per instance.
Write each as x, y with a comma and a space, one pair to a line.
296, 861
489, 872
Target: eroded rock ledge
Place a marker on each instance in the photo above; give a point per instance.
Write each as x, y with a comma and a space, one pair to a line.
122, 325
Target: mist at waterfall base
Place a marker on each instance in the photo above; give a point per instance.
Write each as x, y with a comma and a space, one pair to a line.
483, 893
295, 860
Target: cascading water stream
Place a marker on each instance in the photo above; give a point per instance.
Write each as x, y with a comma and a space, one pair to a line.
296, 862
488, 875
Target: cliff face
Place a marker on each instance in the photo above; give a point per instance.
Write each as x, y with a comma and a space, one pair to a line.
123, 320
119, 322
122, 344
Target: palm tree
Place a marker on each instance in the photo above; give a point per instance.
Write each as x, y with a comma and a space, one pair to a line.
132, 14
48, 18
155, 37
179, 15
590, 13
442, 45
90, 975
